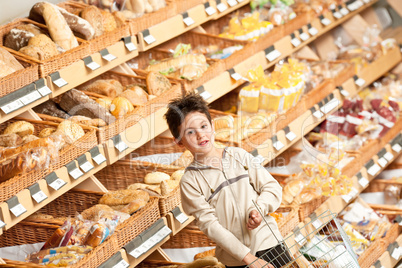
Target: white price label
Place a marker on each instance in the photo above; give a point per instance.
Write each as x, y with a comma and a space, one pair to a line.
2, 224
360, 82
326, 21
121, 146
99, 159
136, 253
344, 93
210, 11
353, 192
389, 156
400, 223
291, 136
318, 114
188, 21
344, 11
12, 106
313, 31
347, 198
366, 1
300, 239
260, 159
205, 95
165, 231
396, 254
278, 145
221, 7
382, 161
317, 224
86, 166
121, 264
182, 218
273, 55
60, 82
295, 42
57, 184
239, 1
110, 57
76, 173
93, 65
304, 36
363, 182
232, 3
148, 244
396, 147
332, 104
39, 196
374, 169
236, 76
31, 97
337, 15
18, 210
44, 91
352, 6
149, 39
359, 3
130, 46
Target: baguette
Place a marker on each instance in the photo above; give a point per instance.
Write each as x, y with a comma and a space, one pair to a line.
171, 65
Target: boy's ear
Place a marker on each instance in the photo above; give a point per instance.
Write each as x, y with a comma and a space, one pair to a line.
178, 142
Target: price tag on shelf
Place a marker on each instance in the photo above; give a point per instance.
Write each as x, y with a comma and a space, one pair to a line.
382, 161
119, 144
209, 10
344, 93
337, 14
54, 182
347, 198
317, 224
318, 114
37, 194
232, 3
332, 104
42, 88
289, 134
15, 207
58, 80
86, 167
374, 169
97, 156
121, 264
2, 224
366, 1
259, 157
313, 31
304, 36
90, 63
186, 19
396, 147
325, 21
136, 253
129, 44
353, 192
203, 93
396, 253
300, 239
30, 97
278, 145
148, 38
12, 106
352, 6
239, 1
272, 54
234, 75
359, 4
180, 216
107, 56
389, 156
295, 42
363, 182
359, 81
73, 170
221, 7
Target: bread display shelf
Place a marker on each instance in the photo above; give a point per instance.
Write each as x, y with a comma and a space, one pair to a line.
391, 256
224, 7
45, 187
177, 219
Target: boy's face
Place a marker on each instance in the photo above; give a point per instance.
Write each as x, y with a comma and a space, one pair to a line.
196, 134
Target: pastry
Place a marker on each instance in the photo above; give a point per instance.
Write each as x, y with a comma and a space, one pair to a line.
97, 234
123, 197
120, 106
29, 138
133, 206
46, 132
137, 96
22, 128
119, 18
71, 131
156, 177
8, 64
157, 83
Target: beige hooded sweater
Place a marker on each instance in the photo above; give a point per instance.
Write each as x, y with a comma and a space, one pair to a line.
221, 200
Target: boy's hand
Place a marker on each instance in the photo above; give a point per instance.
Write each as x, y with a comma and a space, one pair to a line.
254, 220
255, 262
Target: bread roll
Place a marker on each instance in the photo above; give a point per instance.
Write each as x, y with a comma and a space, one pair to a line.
204, 254
168, 185
133, 97
133, 206
123, 197
29, 138
110, 88
57, 25
185, 159
40, 47
94, 16
109, 23
46, 132
8, 64
96, 212
141, 94
22, 128
156, 177
119, 18
104, 102
10, 140
155, 189
157, 83
97, 122
136, 6
71, 131
176, 176
19, 36
120, 106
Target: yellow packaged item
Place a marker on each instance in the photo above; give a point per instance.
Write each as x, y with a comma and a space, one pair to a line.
249, 98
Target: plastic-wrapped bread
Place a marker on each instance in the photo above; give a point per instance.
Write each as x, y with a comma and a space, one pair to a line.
10, 140
8, 64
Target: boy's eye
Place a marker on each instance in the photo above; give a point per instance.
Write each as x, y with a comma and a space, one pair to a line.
190, 132
204, 126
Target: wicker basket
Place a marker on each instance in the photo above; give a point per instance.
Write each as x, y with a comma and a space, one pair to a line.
392, 133
290, 221
52, 64
189, 237
150, 19
306, 209
367, 151
157, 264
16, 184
143, 60
20, 78
378, 185
126, 172
107, 38
372, 253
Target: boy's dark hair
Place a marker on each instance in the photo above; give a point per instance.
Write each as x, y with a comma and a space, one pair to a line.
179, 108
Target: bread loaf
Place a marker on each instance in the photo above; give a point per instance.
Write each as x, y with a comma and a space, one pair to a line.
96, 212
56, 23
176, 176
71, 131
29, 138
120, 106
77, 103
10, 140
119, 18
8, 64
97, 122
46, 132
109, 23
123, 197
110, 88
94, 16
22, 128
168, 185
133, 206
135, 94
184, 160
157, 83
136, 6
156, 177
50, 108
40, 47
155, 190
44, 143
19, 36
204, 254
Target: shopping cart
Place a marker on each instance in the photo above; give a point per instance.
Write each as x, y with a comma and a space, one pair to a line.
319, 243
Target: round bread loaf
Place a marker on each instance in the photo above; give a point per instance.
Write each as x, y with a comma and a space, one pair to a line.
46, 132
19, 36
22, 128
156, 177
109, 23
94, 16
176, 176
70, 130
157, 83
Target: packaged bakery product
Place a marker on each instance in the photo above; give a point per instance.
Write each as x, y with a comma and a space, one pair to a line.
156, 177
8, 64
123, 197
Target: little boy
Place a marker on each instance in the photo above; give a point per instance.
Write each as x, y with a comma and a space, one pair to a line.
218, 188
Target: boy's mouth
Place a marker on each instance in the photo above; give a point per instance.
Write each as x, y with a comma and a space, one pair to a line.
203, 143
